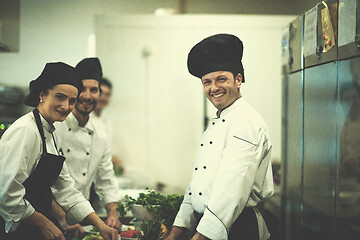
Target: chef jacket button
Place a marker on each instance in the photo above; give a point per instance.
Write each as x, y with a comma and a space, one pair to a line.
213, 123
84, 174
201, 144
68, 150
210, 142
89, 133
190, 193
196, 168
204, 167
200, 193
223, 120
87, 153
69, 129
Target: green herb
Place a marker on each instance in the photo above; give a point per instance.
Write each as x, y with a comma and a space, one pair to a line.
119, 171
151, 230
92, 236
164, 207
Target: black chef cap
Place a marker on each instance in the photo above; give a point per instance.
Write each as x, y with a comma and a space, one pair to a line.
221, 52
53, 74
89, 68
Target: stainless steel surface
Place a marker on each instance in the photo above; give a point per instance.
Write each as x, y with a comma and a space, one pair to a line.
292, 155
349, 29
9, 25
348, 124
321, 154
319, 56
291, 46
319, 150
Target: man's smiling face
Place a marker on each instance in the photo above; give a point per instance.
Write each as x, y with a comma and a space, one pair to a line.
89, 97
221, 89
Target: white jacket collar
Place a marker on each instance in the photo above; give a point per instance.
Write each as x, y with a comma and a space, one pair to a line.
46, 125
74, 123
229, 108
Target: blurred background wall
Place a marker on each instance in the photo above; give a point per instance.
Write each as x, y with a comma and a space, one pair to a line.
157, 109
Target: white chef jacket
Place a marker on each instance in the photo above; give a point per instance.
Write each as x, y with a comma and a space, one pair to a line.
108, 126
232, 171
88, 158
101, 123
20, 152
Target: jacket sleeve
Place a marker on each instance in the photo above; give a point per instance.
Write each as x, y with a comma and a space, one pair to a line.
185, 217
105, 184
234, 181
19, 152
70, 199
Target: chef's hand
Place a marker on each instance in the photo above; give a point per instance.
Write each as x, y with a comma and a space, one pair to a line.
108, 233
114, 223
46, 227
70, 231
74, 231
175, 233
50, 231
113, 215
198, 236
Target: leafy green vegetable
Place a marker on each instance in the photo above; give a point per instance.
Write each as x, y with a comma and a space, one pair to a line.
164, 207
119, 171
151, 230
92, 236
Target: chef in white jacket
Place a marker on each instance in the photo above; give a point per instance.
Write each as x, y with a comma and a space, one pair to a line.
86, 147
33, 176
232, 171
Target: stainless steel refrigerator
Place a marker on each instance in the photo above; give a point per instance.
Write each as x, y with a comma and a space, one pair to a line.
321, 126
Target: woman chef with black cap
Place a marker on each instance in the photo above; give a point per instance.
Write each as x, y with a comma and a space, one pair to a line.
33, 176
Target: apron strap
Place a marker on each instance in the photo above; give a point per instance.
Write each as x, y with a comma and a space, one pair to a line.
40, 127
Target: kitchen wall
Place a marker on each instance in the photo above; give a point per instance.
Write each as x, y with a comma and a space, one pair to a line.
158, 106
52, 30
65, 31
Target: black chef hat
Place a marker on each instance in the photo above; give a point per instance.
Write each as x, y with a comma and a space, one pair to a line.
89, 68
53, 74
221, 52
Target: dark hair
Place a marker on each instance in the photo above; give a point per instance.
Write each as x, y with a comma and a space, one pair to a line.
106, 82
46, 91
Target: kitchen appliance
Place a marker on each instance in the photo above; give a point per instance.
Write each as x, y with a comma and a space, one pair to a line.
292, 122
321, 125
11, 105
9, 25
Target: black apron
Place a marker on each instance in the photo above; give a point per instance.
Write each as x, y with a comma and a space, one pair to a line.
245, 226
38, 191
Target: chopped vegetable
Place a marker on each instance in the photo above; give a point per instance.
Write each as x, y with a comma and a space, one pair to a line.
130, 233
93, 236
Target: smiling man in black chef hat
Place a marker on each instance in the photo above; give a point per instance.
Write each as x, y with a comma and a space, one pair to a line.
87, 151
232, 171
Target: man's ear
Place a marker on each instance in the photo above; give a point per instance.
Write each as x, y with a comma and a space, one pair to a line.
239, 79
